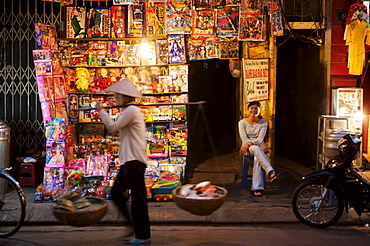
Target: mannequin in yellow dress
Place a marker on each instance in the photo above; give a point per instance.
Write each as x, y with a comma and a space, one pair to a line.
357, 30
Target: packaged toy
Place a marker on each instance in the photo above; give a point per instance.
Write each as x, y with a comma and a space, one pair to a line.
46, 36
76, 22
162, 51
118, 22
135, 20
98, 23
155, 19
162, 189
227, 23
203, 21
176, 47
178, 16
97, 165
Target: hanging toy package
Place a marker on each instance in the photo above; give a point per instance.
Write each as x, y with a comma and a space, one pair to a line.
234, 67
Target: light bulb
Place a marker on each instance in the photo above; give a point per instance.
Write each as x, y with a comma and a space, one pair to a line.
145, 50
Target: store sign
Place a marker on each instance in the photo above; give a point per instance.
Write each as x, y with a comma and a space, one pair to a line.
342, 16
255, 79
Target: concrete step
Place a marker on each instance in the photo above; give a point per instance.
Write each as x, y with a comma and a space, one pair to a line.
214, 177
219, 170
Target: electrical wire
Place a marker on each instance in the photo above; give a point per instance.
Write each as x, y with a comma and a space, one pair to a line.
314, 38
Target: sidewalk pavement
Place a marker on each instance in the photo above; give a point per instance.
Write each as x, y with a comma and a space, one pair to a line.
240, 205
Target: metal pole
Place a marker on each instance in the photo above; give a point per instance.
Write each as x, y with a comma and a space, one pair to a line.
144, 105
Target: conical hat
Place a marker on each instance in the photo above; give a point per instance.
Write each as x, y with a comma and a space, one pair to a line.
125, 87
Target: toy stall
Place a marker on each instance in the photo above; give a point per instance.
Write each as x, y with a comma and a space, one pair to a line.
150, 43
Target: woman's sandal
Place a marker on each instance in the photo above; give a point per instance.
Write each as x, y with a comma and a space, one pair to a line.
256, 193
273, 178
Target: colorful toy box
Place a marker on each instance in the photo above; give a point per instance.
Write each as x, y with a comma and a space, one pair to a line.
163, 192
76, 22
162, 189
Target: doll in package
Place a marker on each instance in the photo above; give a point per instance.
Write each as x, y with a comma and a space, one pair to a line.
176, 47
46, 36
55, 131
97, 165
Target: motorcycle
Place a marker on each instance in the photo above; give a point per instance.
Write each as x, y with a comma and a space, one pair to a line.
319, 200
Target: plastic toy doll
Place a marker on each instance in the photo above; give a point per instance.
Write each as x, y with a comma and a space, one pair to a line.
82, 82
115, 75
104, 80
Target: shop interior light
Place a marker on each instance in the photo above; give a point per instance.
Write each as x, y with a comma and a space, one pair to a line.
145, 49
358, 116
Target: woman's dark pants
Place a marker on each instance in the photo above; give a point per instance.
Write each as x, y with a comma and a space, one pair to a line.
131, 176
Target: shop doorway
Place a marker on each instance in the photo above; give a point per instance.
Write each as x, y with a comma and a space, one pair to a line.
212, 82
300, 99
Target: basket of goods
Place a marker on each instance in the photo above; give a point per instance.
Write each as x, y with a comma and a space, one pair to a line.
199, 199
73, 209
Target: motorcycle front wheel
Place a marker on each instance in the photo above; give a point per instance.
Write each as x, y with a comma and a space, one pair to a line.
317, 206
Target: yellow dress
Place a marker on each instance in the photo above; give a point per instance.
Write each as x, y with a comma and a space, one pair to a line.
357, 30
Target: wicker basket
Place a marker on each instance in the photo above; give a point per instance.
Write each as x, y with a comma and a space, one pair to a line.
82, 217
199, 206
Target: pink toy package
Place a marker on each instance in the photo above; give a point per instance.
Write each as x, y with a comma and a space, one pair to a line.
55, 133
60, 110
45, 111
46, 36
41, 55
97, 165
43, 67
59, 88
80, 164
48, 86
55, 156
56, 62
40, 80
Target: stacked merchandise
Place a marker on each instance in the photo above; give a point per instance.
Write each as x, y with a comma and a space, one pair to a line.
159, 85
148, 42
115, 53
153, 79
52, 96
213, 29
49, 73
66, 164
